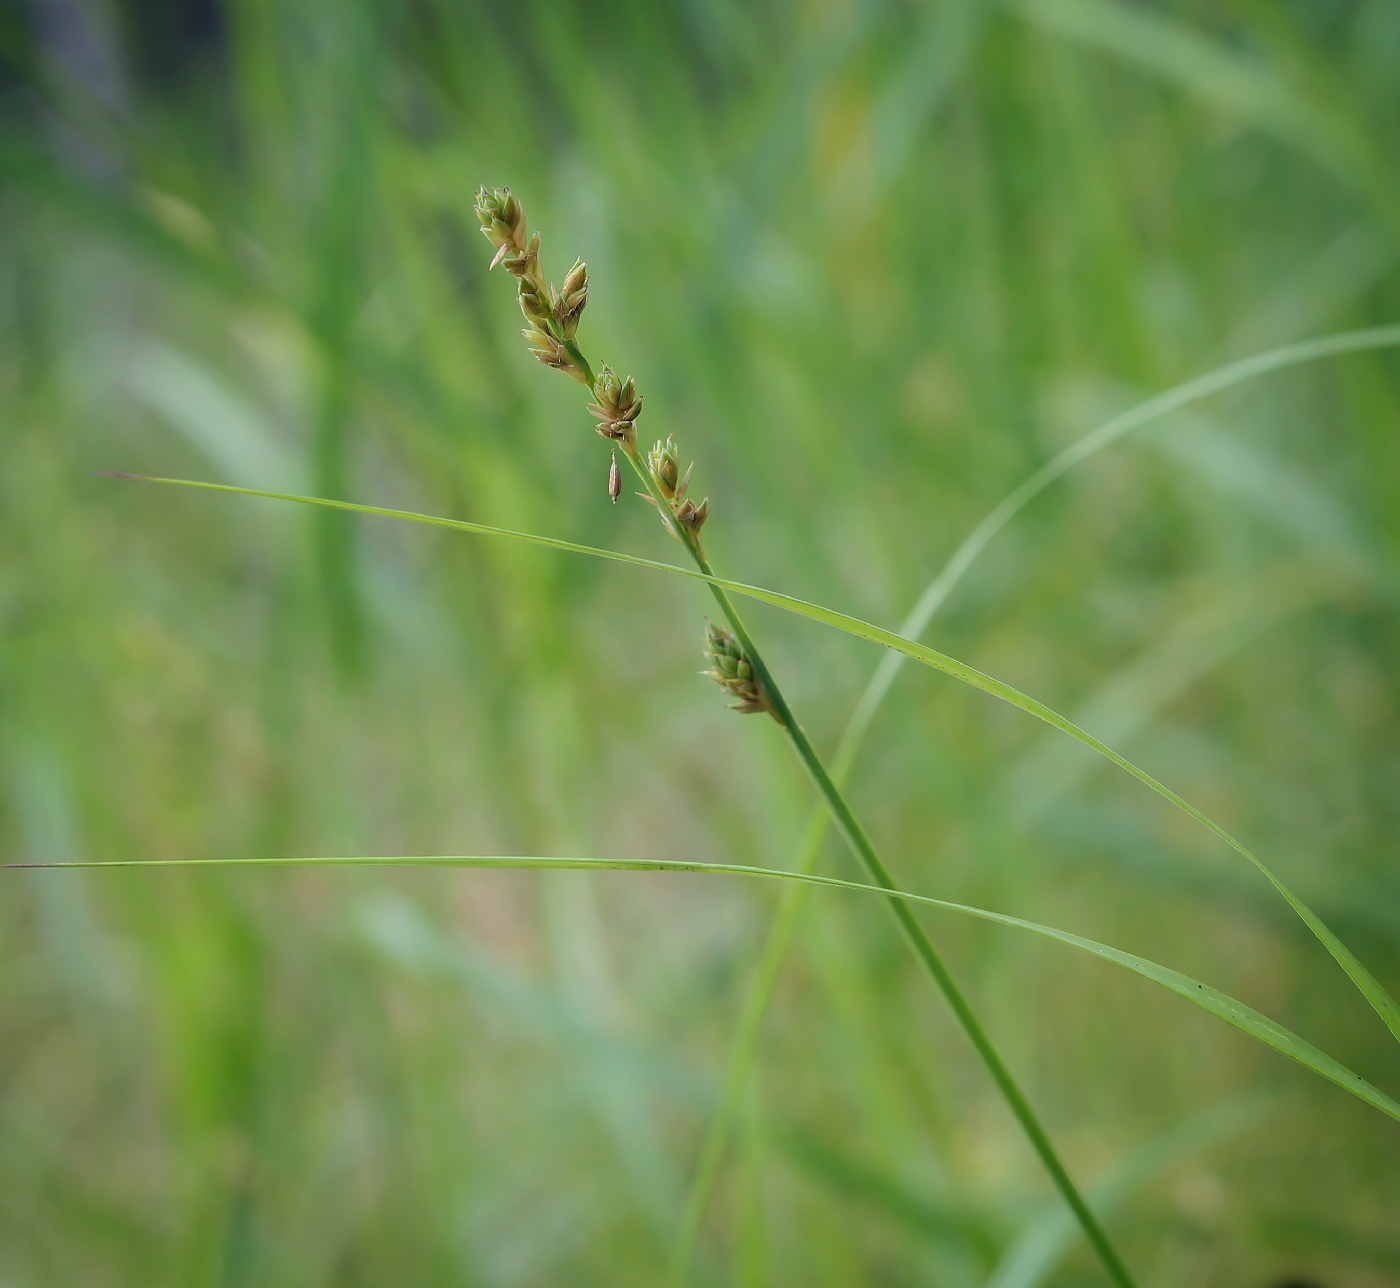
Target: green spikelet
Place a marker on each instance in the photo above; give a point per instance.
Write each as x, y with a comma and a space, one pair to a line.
570, 299
617, 407
734, 673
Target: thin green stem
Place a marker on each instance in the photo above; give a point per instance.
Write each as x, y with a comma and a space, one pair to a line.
744, 1048
860, 844
576, 354
855, 836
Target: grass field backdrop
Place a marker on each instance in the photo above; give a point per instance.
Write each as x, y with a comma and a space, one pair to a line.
874, 262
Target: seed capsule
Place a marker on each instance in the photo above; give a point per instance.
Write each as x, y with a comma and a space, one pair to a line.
691, 516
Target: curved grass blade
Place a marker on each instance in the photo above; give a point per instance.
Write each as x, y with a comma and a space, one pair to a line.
1369, 986
1163, 404
1211, 1000
783, 926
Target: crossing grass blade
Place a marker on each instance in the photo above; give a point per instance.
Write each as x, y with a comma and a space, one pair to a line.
933, 597
1370, 988
1110, 432
1211, 1000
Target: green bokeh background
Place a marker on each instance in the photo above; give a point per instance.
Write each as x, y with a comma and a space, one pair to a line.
872, 261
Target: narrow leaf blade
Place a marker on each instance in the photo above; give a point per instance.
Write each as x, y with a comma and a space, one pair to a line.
1370, 988
1211, 1000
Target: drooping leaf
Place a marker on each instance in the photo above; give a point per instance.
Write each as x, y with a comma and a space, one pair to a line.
1210, 1000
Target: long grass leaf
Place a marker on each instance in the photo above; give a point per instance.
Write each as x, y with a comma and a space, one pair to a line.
1369, 986
934, 595
1211, 1000
1095, 441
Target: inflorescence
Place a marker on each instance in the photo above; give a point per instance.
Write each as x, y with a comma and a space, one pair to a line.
553, 318
553, 315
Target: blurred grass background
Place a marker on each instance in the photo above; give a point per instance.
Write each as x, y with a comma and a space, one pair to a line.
872, 261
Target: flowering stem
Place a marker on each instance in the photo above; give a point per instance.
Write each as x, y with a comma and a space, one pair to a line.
859, 842
553, 317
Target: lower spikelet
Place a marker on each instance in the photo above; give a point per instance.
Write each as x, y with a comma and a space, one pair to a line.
734, 673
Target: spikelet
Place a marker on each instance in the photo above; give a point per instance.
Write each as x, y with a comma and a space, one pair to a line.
617, 407
734, 673
570, 300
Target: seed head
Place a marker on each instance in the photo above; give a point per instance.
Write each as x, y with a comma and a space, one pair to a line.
570, 299
734, 673
665, 462
502, 221
618, 406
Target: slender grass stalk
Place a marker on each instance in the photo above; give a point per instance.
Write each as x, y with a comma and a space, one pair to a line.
860, 844
1224, 1007
553, 321
1365, 982
618, 411
783, 927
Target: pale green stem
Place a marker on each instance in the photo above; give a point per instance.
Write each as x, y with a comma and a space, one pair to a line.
855, 836
576, 355
783, 928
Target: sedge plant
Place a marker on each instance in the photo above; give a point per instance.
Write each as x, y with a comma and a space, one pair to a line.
782, 929
552, 318
736, 665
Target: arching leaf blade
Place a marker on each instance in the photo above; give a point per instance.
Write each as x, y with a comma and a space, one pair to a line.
1370, 988
1211, 1000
